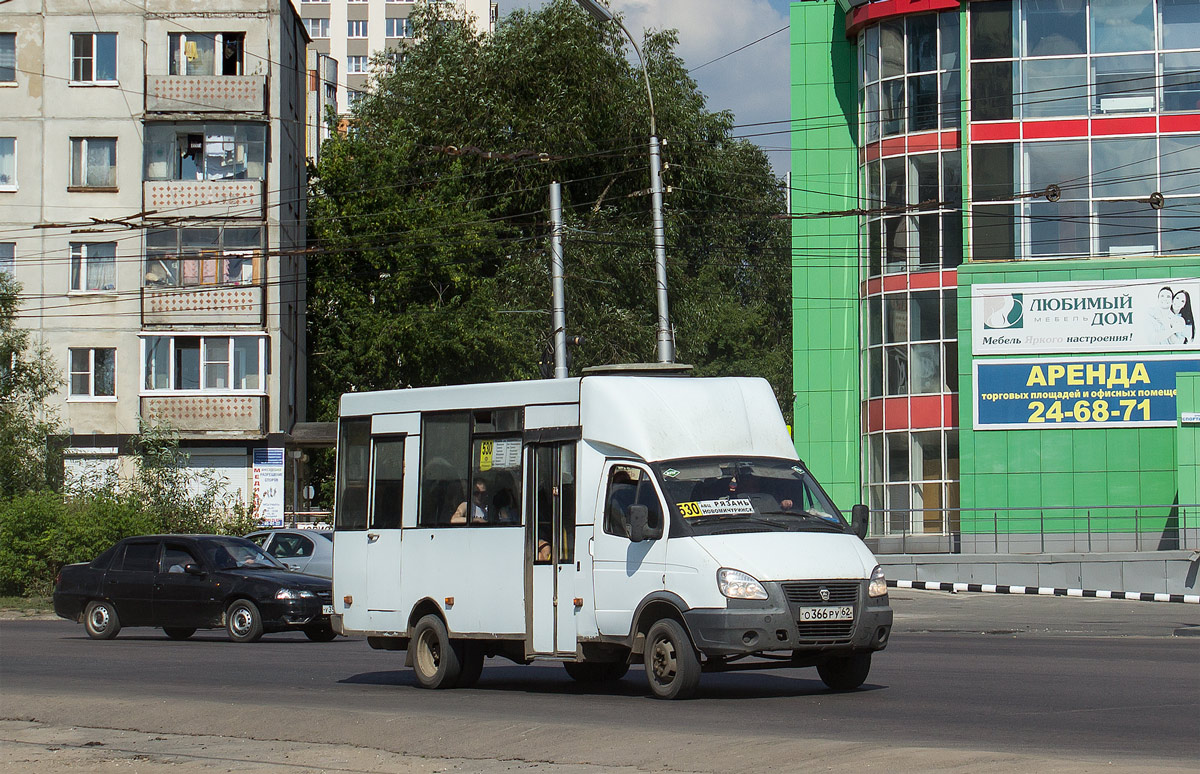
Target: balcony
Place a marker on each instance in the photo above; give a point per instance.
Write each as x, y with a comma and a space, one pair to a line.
203, 416
206, 93
204, 198
188, 306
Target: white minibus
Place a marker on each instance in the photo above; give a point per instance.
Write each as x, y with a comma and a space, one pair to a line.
629, 515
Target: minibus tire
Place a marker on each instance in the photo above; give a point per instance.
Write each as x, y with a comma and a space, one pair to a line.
470, 656
672, 666
435, 661
845, 673
596, 672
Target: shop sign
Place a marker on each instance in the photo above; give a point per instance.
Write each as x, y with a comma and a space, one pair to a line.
268, 487
1050, 393
1102, 317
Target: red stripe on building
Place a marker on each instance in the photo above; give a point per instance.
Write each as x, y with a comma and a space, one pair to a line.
1104, 127
925, 411
925, 279
926, 141
1010, 130
950, 407
1188, 122
895, 414
873, 416
886, 9
950, 278
895, 282
892, 146
950, 139
1039, 130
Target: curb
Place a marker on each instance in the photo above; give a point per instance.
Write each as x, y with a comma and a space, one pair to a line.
1045, 591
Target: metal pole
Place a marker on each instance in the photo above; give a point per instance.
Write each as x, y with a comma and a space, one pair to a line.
558, 311
666, 346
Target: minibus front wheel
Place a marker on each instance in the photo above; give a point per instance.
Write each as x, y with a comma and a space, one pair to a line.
435, 661
672, 666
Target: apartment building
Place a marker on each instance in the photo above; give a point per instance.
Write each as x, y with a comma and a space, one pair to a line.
152, 205
353, 31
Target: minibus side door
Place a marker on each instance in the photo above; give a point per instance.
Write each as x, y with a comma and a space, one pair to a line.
550, 544
623, 572
383, 533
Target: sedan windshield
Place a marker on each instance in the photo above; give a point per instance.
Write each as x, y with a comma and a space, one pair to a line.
723, 495
238, 553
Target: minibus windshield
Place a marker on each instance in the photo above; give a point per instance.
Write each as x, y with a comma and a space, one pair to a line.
716, 496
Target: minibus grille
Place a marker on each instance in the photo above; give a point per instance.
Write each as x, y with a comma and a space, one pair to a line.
808, 593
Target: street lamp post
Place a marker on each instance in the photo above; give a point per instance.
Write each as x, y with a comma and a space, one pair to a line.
666, 343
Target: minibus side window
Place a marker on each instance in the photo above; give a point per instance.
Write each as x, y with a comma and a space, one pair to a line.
496, 481
445, 463
389, 483
629, 485
354, 450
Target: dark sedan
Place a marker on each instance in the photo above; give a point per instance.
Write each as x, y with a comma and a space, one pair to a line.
188, 582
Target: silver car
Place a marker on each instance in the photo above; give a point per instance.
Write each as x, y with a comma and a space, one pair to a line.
308, 551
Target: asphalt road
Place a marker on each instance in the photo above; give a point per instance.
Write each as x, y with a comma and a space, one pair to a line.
966, 685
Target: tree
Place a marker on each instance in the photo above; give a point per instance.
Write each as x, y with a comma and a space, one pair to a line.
429, 216
29, 458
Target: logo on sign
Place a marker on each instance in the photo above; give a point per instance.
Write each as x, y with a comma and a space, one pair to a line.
824, 592
1004, 312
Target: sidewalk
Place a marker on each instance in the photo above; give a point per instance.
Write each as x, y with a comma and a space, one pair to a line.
940, 611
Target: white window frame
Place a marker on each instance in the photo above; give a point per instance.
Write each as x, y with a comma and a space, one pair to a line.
79, 251
90, 396
171, 336
8, 260
357, 64
357, 24
218, 44
11, 186
404, 31
79, 153
93, 80
13, 54
317, 34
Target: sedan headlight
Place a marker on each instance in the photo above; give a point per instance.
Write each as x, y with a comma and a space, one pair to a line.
294, 594
736, 584
878, 585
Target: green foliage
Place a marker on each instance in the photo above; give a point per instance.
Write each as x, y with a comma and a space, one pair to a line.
430, 216
40, 531
28, 459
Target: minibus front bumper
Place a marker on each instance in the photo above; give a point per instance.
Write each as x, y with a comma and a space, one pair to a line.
775, 624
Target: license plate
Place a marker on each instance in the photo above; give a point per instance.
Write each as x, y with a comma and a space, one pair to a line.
838, 613
326, 609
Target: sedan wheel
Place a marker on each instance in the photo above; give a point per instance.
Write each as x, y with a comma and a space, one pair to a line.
243, 621
100, 620
178, 632
323, 633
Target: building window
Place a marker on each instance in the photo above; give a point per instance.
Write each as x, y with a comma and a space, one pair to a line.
356, 64
352, 97
7, 252
94, 162
206, 53
93, 373
93, 266
317, 28
8, 163
356, 28
203, 363
94, 57
202, 256
397, 28
205, 151
8, 57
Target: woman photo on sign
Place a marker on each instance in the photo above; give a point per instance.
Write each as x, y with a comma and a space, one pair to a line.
1183, 326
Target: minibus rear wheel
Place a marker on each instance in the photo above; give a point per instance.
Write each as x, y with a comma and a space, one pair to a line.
672, 666
845, 673
435, 661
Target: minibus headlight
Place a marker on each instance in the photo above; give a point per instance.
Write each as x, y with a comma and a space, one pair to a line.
878, 585
736, 584
294, 594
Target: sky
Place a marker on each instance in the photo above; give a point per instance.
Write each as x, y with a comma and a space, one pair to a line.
752, 83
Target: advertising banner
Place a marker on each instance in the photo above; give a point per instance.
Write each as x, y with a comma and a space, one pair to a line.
1048, 393
1102, 317
268, 486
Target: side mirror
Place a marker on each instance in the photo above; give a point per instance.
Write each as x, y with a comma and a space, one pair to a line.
639, 525
860, 517
193, 569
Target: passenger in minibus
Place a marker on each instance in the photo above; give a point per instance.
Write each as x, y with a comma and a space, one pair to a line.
477, 506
